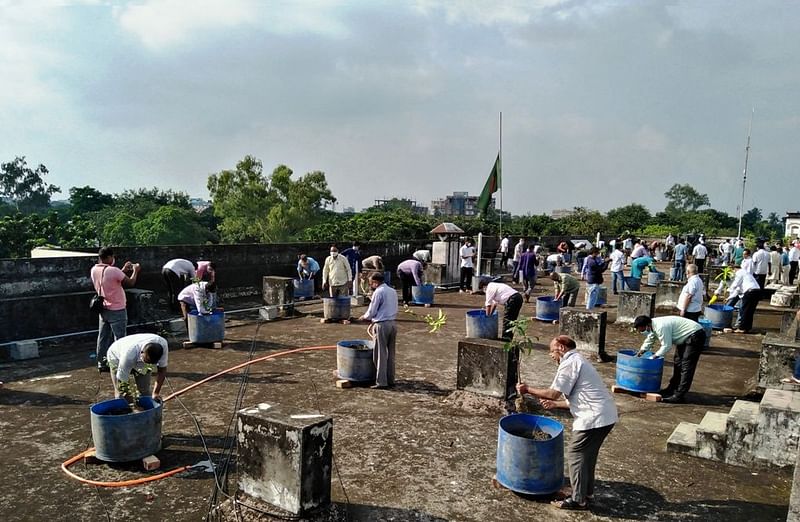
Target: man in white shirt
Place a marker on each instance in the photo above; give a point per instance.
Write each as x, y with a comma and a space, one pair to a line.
617, 270
699, 253
761, 265
690, 301
744, 287
501, 293
200, 297
504, 244
747, 261
177, 273
519, 249
725, 251
136, 354
466, 254
775, 265
579, 387
794, 260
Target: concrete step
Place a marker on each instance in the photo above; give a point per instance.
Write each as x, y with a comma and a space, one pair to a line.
683, 439
740, 432
778, 432
711, 436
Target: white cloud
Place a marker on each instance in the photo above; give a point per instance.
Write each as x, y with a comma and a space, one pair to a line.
165, 23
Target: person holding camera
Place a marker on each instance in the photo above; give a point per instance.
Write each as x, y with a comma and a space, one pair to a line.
110, 282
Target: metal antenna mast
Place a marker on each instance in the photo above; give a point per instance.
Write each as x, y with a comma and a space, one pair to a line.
744, 173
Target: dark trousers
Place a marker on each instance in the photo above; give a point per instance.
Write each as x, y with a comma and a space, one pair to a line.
510, 313
748, 309
466, 278
581, 456
685, 362
175, 284
694, 316
406, 281
792, 271
701, 265
761, 279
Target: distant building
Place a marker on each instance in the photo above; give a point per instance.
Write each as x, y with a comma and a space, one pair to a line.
457, 204
792, 223
349, 210
401, 203
561, 213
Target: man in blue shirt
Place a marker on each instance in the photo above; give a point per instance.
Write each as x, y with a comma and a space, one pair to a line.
680, 260
382, 312
595, 266
353, 256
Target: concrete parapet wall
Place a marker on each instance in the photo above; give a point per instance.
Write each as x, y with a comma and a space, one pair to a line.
49, 296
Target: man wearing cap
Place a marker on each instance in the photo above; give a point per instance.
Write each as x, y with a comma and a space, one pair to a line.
689, 339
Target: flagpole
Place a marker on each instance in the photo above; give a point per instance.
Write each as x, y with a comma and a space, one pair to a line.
500, 174
744, 173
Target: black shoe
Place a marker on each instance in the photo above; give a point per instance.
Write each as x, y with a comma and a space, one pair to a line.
666, 392
673, 399
103, 368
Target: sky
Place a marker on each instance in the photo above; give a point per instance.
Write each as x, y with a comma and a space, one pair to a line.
603, 103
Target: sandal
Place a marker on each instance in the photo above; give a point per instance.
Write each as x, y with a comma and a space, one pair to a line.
569, 504
791, 380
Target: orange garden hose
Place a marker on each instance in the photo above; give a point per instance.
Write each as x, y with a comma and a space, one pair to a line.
137, 482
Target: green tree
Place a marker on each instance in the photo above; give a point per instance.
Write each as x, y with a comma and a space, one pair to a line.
84, 200
584, 222
118, 229
24, 186
253, 207
141, 202
629, 217
684, 198
170, 226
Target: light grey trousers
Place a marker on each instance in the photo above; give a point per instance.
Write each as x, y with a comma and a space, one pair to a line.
383, 354
582, 458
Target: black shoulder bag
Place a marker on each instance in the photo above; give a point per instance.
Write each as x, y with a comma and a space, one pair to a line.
97, 300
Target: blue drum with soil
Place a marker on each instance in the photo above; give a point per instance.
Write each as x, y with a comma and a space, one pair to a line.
530, 454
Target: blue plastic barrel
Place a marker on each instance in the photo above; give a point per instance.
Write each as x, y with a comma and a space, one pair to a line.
206, 328
707, 326
527, 465
125, 437
720, 315
482, 326
673, 273
633, 284
303, 288
639, 374
653, 278
354, 360
547, 308
336, 308
422, 294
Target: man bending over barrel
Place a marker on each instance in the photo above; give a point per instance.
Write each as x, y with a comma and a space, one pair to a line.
578, 386
137, 354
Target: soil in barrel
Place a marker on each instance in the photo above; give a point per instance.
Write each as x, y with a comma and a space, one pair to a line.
538, 434
360, 347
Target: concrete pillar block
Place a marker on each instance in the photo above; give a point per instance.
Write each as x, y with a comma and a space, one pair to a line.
434, 274
22, 350
285, 457
279, 291
777, 359
587, 328
794, 498
356, 300
486, 368
633, 304
787, 325
667, 294
778, 430
140, 305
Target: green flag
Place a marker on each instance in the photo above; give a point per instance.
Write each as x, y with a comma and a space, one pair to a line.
492, 184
